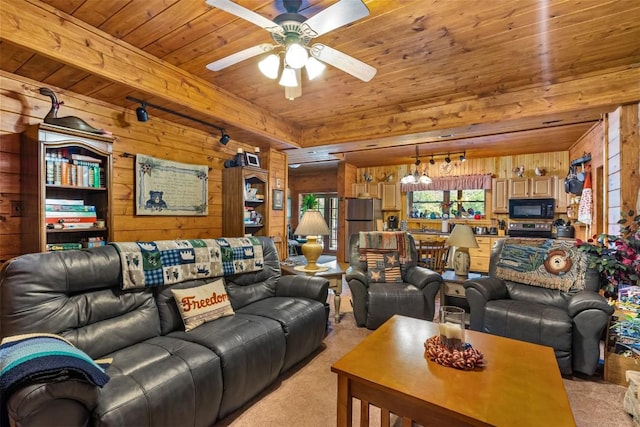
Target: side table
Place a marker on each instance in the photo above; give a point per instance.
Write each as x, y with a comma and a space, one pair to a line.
452, 289
334, 273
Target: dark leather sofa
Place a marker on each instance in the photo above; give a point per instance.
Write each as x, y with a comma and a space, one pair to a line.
160, 374
570, 322
374, 303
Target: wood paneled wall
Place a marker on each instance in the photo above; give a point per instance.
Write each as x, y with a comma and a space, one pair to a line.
276, 163
21, 105
623, 157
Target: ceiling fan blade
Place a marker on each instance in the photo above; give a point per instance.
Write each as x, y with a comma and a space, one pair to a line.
340, 60
227, 61
246, 14
335, 16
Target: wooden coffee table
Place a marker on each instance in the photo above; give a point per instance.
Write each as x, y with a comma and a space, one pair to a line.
519, 386
333, 272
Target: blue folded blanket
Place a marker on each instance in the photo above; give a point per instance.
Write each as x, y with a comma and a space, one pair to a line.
33, 358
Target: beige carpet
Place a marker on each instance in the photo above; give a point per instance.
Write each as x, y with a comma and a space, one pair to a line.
306, 395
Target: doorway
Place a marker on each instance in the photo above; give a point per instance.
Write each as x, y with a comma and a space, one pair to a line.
328, 207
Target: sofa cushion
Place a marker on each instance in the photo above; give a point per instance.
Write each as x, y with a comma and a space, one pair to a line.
202, 304
302, 320
387, 299
162, 381
251, 350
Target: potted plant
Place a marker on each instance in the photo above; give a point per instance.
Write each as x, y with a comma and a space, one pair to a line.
617, 258
309, 201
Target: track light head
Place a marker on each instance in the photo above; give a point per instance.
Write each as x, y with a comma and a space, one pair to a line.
463, 157
447, 159
224, 137
432, 162
141, 113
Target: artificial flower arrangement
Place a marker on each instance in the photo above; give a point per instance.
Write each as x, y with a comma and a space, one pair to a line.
617, 258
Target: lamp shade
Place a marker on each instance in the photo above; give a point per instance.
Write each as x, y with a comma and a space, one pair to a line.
288, 78
296, 56
270, 66
462, 237
314, 68
312, 223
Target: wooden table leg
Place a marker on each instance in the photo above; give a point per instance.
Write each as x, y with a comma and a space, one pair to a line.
345, 405
336, 298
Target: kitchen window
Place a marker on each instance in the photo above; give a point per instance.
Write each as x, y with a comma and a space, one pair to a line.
455, 203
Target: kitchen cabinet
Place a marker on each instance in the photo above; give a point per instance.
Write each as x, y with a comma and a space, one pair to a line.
366, 187
480, 255
245, 201
66, 188
500, 195
539, 186
391, 197
563, 199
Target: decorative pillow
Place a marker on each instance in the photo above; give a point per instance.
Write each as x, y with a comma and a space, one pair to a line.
383, 267
202, 304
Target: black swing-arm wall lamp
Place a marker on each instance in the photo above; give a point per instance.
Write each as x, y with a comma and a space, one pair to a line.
143, 116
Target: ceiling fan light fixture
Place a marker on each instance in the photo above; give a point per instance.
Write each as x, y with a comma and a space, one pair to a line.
270, 66
314, 68
296, 56
288, 78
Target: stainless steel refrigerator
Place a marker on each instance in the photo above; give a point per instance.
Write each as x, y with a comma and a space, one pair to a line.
362, 215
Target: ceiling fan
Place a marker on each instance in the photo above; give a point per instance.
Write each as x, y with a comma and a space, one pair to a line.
292, 34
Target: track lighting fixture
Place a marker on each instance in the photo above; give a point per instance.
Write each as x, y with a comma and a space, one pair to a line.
143, 116
432, 162
141, 112
416, 177
463, 156
448, 158
224, 138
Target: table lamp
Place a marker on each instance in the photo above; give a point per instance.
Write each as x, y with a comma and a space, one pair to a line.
312, 224
462, 238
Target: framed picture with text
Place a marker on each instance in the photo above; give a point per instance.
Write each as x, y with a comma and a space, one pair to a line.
278, 200
252, 160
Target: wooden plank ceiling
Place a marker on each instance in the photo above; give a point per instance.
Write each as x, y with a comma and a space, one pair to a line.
479, 77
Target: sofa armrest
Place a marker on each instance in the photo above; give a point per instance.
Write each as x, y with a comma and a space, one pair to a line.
68, 402
478, 292
315, 288
586, 300
489, 288
354, 273
421, 277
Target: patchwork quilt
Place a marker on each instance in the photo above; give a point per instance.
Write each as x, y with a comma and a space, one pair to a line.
384, 241
547, 263
164, 262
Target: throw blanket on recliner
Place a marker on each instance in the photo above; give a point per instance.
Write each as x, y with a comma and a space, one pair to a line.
164, 262
547, 263
382, 241
32, 358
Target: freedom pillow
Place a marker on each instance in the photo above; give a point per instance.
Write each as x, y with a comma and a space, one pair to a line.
202, 304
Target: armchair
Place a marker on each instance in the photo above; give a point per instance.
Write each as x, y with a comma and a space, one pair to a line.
376, 298
542, 291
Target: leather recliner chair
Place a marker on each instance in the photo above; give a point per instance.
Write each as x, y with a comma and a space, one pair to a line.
570, 322
374, 302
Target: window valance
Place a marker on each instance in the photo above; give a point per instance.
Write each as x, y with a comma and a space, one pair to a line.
447, 183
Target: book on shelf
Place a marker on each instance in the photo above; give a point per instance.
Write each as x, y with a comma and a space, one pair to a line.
69, 208
84, 158
78, 225
63, 246
70, 219
64, 202
69, 214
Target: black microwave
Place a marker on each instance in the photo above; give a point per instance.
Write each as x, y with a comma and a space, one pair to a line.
531, 208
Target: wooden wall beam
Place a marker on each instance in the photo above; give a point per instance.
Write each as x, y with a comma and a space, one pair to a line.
604, 91
40, 28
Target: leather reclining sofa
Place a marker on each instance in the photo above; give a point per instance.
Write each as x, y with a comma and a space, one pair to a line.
160, 375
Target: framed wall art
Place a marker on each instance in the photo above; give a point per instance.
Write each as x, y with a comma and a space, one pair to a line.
278, 200
252, 160
164, 187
